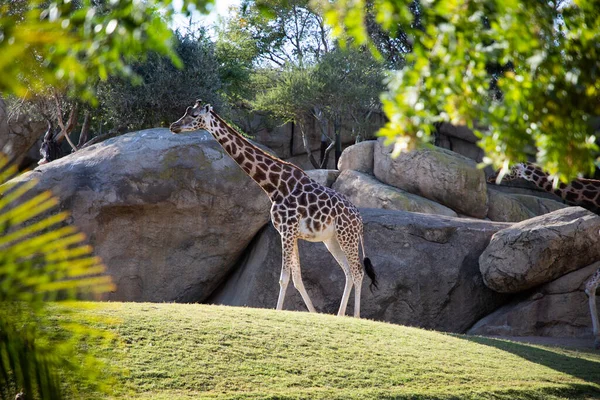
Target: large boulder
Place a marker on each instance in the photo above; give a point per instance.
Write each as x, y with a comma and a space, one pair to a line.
365, 191
437, 174
541, 249
559, 308
162, 210
325, 177
505, 208
426, 265
358, 157
539, 205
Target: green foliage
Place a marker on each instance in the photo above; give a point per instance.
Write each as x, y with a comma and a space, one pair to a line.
194, 351
284, 32
349, 83
43, 259
73, 44
288, 94
526, 71
164, 90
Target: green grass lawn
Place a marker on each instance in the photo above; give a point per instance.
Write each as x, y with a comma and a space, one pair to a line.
176, 351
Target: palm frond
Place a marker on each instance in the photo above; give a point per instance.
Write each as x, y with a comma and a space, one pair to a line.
41, 259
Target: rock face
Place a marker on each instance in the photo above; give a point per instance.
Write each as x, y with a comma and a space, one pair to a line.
325, 177
162, 210
539, 205
358, 157
437, 174
541, 249
365, 191
505, 208
559, 309
427, 269
18, 135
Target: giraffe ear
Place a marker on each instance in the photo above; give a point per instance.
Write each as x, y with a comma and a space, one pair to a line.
208, 108
198, 103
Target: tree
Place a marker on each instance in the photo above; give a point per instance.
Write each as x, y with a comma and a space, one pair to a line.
526, 71
341, 89
72, 44
350, 81
164, 90
299, 73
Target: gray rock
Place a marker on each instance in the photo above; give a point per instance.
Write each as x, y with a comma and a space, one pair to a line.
427, 269
19, 134
437, 174
505, 208
163, 211
358, 157
365, 191
325, 177
541, 249
558, 309
539, 205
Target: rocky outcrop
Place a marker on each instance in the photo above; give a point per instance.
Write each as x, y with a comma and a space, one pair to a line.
163, 211
541, 249
559, 309
325, 177
358, 157
365, 191
505, 208
427, 269
539, 205
19, 134
437, 174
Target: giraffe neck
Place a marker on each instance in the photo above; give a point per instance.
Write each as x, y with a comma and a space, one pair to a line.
541, 179
276, 177
585, 192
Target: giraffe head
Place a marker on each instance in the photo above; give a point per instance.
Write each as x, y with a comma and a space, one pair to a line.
196, 117
517, 171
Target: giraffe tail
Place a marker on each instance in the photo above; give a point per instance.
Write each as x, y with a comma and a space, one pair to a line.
369, 270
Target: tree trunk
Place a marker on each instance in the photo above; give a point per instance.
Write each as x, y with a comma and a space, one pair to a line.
306, 143
338, 141
85, 130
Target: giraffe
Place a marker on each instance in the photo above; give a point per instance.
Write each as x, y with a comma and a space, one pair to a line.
590, 289
582, 192
301, 208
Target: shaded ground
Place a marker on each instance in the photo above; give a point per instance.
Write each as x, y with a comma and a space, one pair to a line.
574, 343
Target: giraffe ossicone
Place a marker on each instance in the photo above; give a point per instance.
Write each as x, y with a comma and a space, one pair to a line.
301, 208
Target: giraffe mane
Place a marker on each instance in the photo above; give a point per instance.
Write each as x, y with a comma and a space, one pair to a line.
263, 152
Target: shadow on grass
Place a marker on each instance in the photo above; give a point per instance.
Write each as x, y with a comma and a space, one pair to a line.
586, 370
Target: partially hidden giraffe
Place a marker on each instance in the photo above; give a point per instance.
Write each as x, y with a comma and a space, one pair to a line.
590, 289
301, 208
582, 192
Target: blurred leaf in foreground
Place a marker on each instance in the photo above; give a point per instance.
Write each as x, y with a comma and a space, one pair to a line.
43, 260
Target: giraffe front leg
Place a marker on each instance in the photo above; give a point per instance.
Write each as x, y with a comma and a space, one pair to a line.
594, 314
284, 279
291, 262
590, 289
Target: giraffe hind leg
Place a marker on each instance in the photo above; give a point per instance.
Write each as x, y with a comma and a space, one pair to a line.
340, 256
